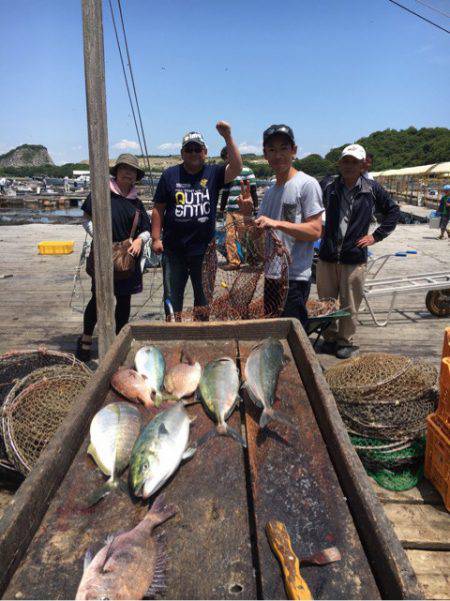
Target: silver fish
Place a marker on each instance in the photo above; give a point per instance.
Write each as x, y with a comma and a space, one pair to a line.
159, 450
261, 371
131, 564
113, 431
219, 388
149, 362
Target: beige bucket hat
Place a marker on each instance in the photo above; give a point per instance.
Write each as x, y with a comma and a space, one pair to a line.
131, 161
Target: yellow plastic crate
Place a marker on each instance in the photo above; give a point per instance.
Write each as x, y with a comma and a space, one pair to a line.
56, 247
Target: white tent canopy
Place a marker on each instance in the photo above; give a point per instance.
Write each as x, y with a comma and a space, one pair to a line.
434, 169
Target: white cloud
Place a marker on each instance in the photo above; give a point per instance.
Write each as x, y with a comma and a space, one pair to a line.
246, 148
77, 147
126, 145
170, 147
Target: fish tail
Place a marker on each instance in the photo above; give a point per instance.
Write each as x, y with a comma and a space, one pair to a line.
235, 436
270, 414
160, 511
225, 430
103, 491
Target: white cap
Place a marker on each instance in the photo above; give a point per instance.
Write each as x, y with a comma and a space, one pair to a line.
354, 150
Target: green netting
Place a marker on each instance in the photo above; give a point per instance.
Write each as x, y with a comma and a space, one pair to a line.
393, 480
394, 466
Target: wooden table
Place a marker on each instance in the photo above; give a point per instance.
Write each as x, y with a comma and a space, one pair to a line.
226, 495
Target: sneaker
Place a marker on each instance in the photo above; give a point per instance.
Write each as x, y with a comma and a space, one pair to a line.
345, 352
328, 348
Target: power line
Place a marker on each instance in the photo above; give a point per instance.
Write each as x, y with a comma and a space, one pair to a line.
436, 10
134, 88
126, 78
420, 16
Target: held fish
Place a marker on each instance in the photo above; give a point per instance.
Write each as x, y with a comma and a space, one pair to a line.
131, 564
113, 432
219, 388
149, 362
132, 386
159, 450
182, 380
261, 371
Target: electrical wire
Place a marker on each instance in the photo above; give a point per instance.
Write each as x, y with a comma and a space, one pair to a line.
420, 16
134, 88
125, 77
436, 10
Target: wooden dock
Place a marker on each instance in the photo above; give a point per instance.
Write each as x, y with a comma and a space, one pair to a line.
34, 310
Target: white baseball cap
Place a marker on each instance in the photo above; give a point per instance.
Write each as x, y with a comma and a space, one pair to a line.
354, 150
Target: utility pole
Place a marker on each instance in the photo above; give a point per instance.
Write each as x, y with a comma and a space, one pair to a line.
94, 72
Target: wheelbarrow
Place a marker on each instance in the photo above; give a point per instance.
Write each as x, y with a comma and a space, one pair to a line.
318, 325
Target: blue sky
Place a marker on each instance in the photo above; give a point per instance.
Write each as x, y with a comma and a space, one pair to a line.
334, 70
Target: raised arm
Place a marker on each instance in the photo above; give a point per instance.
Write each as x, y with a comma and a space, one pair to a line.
234, 167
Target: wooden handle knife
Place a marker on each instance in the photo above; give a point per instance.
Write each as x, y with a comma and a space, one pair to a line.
280, 542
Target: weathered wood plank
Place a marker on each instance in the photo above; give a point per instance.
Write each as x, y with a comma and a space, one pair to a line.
24, 514
293, 481
420, 526
394, 574
423, 493
433, 572
94, 71
212, 522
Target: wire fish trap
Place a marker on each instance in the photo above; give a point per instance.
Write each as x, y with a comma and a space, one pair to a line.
18, 364
384, 396
257, 288
30, 419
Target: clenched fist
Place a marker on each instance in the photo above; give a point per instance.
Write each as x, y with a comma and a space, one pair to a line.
224, 129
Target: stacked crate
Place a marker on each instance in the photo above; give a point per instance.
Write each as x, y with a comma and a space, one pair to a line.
437, 455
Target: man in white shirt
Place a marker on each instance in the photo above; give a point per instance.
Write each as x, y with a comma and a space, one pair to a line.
293, 207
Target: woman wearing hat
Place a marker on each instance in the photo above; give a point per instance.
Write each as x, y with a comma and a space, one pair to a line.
124, 205
444, 210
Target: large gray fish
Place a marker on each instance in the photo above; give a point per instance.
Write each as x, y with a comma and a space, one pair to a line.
159, 450
113, 431
131, 564
183, 378
261, 371
149, 362
219, 392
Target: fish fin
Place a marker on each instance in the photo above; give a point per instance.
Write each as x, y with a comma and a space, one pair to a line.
269, 415
93, 453
252, 395
194, 401
188, 453
101, 492
203, 439
123, 486
265, 418
163, 430
235, 436
283, 419
185, 357
160, 512
89, 556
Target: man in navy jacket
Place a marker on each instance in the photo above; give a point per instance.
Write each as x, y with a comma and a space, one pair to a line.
350, 202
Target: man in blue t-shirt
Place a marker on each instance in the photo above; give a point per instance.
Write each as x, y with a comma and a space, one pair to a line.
185, 211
